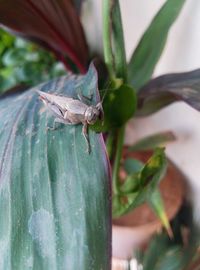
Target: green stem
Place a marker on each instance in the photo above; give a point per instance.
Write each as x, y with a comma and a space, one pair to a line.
121, 72
118, 154
107, 36
109, 143
112, 28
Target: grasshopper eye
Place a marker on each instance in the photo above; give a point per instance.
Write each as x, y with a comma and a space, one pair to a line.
91, 115
94, 118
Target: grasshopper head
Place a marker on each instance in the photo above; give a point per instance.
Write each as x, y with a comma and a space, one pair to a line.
92, 114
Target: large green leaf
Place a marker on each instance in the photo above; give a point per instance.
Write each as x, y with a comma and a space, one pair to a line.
55, 198
151, 45
169, 88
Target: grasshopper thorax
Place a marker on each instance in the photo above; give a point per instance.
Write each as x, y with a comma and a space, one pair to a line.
92, 113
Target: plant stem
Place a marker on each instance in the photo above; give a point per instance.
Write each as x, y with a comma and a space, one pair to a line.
107, 35
115, 59
109, 144
118, 154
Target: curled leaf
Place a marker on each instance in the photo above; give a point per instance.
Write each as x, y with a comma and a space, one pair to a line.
138, 187
169, 88
156, 203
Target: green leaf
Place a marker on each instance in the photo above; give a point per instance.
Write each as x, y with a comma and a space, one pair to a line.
131, 184
119, 106
156, 249
176, 253
118, 42
169, 88
156, 203
153, 141
6, 41
25, 62
113, 41
155, 168
140, 185
133, 168
13, 57
132, 165
55, 198
161, 254
171, 260
152, 43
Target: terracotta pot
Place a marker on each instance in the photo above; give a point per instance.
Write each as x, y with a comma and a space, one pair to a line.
134, 229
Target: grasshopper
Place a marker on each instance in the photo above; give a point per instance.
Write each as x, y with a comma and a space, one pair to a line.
72, 111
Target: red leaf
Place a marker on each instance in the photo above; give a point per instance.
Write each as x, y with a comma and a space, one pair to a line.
51, 23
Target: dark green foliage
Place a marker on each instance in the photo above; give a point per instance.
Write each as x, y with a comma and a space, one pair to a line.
177, 253
119, 106
23, 62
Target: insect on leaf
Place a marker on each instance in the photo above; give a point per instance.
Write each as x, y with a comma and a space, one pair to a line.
54, 198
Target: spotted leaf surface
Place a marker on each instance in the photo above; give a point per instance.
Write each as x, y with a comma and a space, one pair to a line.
54, 196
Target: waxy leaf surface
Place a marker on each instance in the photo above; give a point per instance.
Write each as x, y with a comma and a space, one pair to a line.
55, 198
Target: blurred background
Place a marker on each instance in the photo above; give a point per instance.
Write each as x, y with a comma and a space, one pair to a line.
22, 62
181, 54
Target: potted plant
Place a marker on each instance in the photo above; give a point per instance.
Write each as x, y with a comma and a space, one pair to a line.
55, 196
133, 230
177, 253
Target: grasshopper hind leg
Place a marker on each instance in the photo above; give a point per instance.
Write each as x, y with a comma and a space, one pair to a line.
54, 127
58, 120
86, 136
